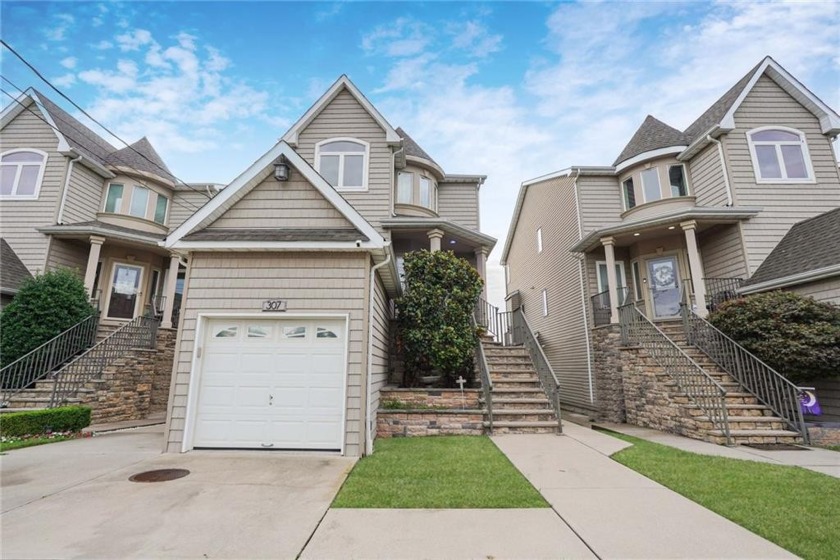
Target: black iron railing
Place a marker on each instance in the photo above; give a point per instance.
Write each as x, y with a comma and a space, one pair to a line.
522, 334
40, 362
601, 312
765, 383
700, 387
138, 333
486, 381
719, 290
156, 305
495, 323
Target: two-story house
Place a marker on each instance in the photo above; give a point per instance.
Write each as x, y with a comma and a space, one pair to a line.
70, 199
291, 269
678, 214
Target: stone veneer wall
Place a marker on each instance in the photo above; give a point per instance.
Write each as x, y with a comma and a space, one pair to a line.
442, 398
438, 412
135, 385
824, 433
607, 362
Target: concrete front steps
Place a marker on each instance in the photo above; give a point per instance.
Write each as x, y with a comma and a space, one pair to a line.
519, 403
750, 421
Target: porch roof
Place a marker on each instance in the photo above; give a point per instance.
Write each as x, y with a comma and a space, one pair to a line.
453, 229
702, 215
83, 230
291, 234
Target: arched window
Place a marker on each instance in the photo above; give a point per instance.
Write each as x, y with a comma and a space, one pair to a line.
780, 155
21, 173
343, 162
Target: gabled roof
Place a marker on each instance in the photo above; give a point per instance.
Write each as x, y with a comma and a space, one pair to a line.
12, 271
719, 108
341, 84
248, 180
141, 156
810, 245
653, 134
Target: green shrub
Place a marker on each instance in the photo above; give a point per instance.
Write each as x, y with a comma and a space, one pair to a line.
797, 336
44, 306
435, 332
36, 422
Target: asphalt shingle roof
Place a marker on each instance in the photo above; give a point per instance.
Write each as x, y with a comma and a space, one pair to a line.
719, 108
142, 157
12, 270
412, 148
298, 234
651, 135
809, 245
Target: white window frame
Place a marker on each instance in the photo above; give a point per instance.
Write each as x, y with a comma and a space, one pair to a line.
365, 161
165, 214
644, 186
625, 201
539, 240
122, 198
545, 302
806, 155
685, 178
622, 282
410, 175
149, 192
138, 302
38, 181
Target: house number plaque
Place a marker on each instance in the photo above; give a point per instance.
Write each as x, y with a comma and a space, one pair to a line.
274, 305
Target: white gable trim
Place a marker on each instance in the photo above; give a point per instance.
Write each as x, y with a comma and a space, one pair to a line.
829, 120
650, 154
342, 83
20, 104
237, 190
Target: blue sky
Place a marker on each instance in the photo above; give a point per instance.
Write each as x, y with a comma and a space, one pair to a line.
510, 90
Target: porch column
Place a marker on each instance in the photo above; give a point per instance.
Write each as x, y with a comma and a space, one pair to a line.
481, 267
93, 260
435, 236
696, 264
612, 281
171, 281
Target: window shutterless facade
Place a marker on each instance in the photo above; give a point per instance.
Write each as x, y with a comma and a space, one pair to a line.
343, 162
676, 177
143, 202
780, 155
650, 184
629, 193
21, 174
405, 187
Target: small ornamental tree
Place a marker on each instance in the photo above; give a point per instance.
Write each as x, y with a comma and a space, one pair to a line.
44, 306
797, 336
435, 331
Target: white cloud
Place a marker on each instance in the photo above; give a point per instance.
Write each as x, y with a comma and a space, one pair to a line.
69, 62
133, 40
61, 25
103, 45
403, 37
66, 80
474, 38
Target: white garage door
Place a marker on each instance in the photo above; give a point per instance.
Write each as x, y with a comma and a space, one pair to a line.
274, 384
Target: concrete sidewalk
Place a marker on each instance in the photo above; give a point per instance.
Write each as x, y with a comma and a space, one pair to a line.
811, 458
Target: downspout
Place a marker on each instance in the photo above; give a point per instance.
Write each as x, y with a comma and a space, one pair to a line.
723, 168
60, 219
368, 430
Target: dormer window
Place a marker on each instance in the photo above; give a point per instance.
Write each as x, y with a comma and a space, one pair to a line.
343, 162
21, 173
780, 155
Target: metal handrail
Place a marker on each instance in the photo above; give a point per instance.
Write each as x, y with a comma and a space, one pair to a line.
522, 334
38, 363
601, 309
719, 290
766, 384
486, 381
494, 322
700, 387
138, 333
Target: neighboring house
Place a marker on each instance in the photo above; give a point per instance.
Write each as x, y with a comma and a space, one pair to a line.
806, 261
292, 269
679, 213
70, 199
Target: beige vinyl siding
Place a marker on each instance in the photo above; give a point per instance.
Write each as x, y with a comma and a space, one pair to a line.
293, 204
380, 317
239, 283
459, 202
827, 290
783, 204
84, 195
706, 177
345, 117
722, 252
185, 203
68, 254
18, 218
600, 202
550, 205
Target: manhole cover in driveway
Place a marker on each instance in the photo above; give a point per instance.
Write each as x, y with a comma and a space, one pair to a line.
160, 475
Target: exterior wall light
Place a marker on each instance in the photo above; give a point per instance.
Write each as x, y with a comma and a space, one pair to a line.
281, 169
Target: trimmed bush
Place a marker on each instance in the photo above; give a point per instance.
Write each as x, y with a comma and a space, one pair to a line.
435, 332
36, 422
797, 336
45, 306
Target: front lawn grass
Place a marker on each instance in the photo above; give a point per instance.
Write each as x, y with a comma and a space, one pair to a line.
30, 442
793, 507
437, 472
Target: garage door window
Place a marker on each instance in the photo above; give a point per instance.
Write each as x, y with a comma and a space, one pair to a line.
226, 332
259, 331
294, 332
323, 332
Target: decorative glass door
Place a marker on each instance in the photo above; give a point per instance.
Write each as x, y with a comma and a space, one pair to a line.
125, 287
664, 287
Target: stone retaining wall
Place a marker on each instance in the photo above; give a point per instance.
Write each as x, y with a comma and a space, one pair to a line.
824, 433
412, 423
607, 361
443, 398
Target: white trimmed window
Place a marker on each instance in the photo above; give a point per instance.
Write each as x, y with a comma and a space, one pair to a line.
650, 184
780, 155
677, 179
139, 202
21, 173
539, 240
405, 187
629, 192
143, 203
343, 162
545, 302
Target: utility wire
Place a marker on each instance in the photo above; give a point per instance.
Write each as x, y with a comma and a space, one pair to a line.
191, 208
76, 105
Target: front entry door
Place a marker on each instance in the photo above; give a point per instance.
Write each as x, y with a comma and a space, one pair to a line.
125, 286
664, 276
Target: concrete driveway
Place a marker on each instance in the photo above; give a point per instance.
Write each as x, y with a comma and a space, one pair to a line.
74, 499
